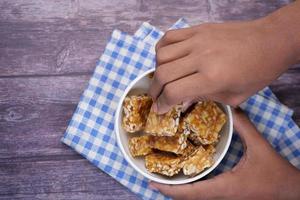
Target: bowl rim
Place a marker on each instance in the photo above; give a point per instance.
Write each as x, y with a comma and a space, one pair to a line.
160, 180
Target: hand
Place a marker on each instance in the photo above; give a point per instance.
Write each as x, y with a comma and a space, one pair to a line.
226, 62
260, 174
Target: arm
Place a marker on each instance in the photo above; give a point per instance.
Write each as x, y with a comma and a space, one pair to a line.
285, 23
225, 62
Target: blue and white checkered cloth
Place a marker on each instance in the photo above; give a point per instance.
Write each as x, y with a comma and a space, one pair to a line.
91, 130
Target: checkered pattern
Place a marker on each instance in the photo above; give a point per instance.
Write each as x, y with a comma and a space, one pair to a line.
91, 130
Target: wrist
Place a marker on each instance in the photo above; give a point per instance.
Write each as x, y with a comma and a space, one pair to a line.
284, 26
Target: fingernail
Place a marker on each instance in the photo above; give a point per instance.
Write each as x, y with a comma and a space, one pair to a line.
158, 106
154, 107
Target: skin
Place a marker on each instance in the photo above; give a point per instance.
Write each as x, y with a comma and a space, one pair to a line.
260, 174
228, 62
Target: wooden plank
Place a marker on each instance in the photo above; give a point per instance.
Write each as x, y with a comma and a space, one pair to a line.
34, 113
72, 179
243, 10
68, 37
34, 130
45, 89
39, 38
287, 89
119, 195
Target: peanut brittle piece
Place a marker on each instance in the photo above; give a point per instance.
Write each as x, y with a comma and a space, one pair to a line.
135, 111
165, 124
188, 151
175, 144
163, 163
140, 146
211, 149
205, 122
197, 162
182, 127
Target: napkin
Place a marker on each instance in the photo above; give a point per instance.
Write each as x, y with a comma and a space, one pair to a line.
91, 129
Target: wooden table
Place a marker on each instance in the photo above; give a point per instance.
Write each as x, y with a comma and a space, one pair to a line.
48, 50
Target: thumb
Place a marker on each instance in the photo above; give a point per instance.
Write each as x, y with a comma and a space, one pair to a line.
215, 187
245, 129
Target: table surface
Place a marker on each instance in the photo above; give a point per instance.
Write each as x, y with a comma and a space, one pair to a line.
48, 50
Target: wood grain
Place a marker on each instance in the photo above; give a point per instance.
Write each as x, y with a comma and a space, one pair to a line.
69, 36
243, 10
34, 114
287, 89
76, 178
48, 50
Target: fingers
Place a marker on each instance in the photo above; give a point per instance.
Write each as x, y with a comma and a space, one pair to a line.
173, 36
172, 52
246, 130
174, 191
186, 105
169, 72
181, 90
208, 189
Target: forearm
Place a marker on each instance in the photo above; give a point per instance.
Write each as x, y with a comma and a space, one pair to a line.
285, 25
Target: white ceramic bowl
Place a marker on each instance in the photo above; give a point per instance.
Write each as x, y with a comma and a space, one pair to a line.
141, 85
